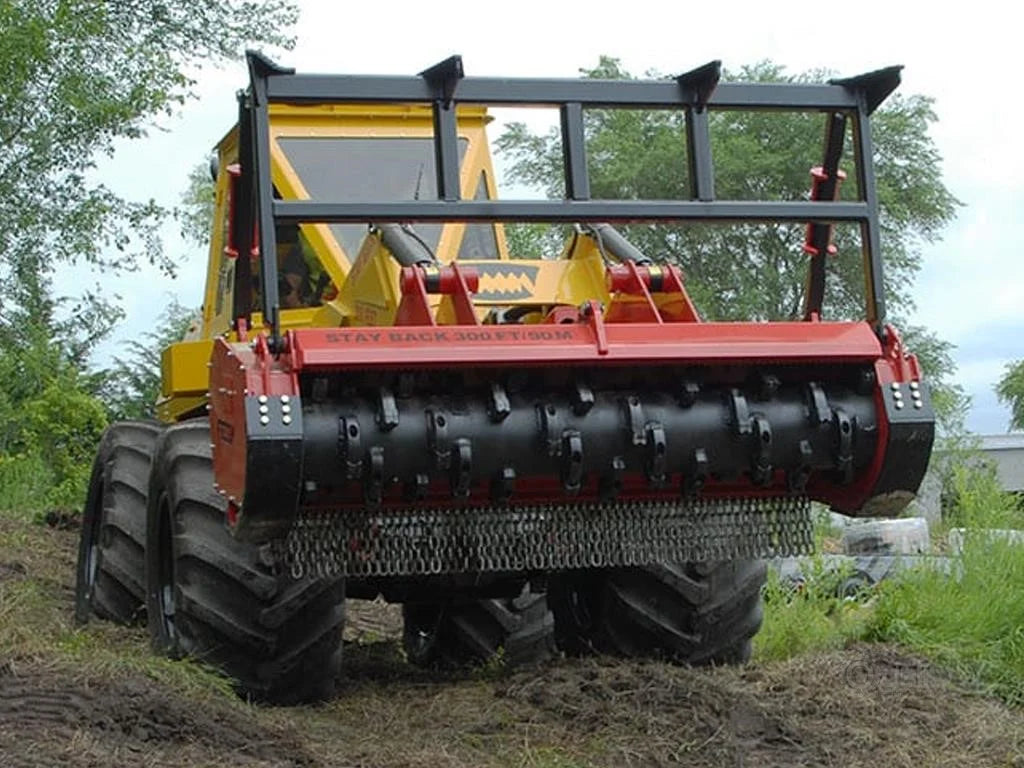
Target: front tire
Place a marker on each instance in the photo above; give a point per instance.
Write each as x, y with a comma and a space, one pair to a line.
694, 613
219, 600
110, 575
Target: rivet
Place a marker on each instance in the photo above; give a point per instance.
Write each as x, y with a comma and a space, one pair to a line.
264, 409
286, 409
262, 399
897, 396
918, 404
284, 399
899, 405
895, 386
264, 420
915, 386
286, 419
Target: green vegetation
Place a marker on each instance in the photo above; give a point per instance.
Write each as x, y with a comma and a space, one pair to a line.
37, 622
973, 619
968, 617
79, 76
1010, 390
811, 616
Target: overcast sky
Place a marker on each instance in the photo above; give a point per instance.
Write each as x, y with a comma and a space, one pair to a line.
971, 289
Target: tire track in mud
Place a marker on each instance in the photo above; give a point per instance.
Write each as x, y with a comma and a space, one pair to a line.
48, 717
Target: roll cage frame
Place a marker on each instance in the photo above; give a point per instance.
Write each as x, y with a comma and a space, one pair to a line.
444, 85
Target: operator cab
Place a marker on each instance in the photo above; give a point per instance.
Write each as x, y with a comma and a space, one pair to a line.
346, 153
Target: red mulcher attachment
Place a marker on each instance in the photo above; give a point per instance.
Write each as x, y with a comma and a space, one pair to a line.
603, 436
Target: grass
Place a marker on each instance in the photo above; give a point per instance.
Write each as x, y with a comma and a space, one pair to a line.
570, 714
26, 484
969, 620
973, 621
811, 617
36, 621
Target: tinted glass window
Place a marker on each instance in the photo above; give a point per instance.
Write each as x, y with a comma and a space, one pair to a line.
479, 241
357, 169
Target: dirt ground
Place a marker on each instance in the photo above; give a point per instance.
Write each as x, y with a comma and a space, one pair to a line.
867, 705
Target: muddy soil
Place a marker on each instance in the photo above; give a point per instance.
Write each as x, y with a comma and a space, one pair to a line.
864, 706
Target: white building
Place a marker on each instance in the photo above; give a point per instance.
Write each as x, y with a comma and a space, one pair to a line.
1006, 452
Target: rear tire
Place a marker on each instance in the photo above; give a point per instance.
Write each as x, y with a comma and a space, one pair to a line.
696, 613
518, 631
218, 600
110, 577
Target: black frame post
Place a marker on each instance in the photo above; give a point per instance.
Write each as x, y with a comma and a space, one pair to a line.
443, 78
819, 238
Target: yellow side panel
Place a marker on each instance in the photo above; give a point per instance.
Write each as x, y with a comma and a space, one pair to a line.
185, 377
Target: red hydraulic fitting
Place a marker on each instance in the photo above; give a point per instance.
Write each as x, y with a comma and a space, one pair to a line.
818, 178
623, 278
439, 280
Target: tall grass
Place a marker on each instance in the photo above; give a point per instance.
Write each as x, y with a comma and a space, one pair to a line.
26, 486
971, 620
810, 616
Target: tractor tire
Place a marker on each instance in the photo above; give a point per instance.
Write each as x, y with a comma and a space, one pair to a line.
695, 613
111, 573
517, 631
219, 600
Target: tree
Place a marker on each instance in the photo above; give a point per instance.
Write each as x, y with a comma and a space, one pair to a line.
756, 271
132, 386
76, 76
50, 415
195, 211
1010, 390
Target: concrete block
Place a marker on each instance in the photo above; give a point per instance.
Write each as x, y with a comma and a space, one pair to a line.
904, 536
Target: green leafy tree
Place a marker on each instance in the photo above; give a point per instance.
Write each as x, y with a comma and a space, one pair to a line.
756, 271
195, 211
1010, 391
50, 415
78, 75
132, 384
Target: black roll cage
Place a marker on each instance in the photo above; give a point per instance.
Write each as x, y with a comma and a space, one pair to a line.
444, 85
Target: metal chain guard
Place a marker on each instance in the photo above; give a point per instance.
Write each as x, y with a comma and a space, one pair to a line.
542, 538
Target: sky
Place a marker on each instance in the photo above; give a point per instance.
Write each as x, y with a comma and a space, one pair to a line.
971, 288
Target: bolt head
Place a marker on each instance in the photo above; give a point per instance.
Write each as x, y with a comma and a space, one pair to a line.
899, 405
285, 399
264, 409
286, 419
286, 409
915, 386
264, 420
895, 386
918, 404
262, 399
